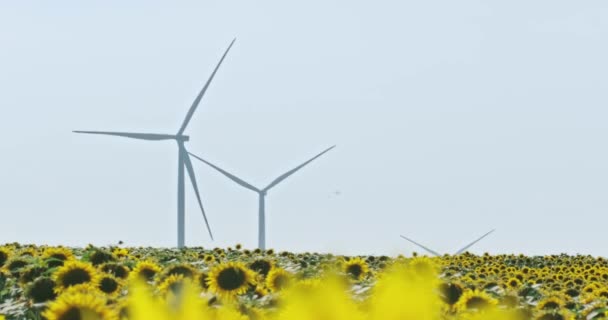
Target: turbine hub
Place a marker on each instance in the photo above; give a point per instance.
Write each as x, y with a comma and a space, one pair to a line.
182, 138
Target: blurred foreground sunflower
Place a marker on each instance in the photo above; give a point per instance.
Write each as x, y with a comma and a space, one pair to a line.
79, 305
278, 279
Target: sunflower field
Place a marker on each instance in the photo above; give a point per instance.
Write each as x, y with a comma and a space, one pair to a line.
99, 283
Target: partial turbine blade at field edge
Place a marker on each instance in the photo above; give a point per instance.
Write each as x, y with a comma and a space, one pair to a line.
202, 92
192, 177
132, 135
474, 242
229, 175
294, 170
435, 253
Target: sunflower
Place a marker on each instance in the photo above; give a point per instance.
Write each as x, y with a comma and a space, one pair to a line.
75, 273
230, 279
450, 292
356, 268
120, 252
145, 270
30, 273
174, 284
555, 315
513, 283
100, 257
183, 269
41, 290
15, 265
58, 253
261, 266
209, 258
115, 269
110, 285
78, 305
28, 252
475, 299
5, 254
278, 279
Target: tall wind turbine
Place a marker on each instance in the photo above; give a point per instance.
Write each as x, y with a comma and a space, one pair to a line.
261, 192
435, 253
183, 160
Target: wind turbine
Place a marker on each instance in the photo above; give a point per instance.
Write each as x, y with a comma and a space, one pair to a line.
261, 192
435, 253
183, 160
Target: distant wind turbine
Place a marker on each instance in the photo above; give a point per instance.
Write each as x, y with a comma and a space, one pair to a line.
435, 253
261, 192
182, 156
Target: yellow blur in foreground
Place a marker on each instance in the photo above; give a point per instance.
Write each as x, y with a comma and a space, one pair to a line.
401, 293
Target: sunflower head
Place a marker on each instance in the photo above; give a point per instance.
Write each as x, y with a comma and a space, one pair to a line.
110, 285
182, 269
16, 264
74, 273
230, 279
450, 292
120, 252
98, 257
261, 266
145, 270
41, 290
356, 268
79, 305
174, 284
278, 279
30, 273
475, 300
116, 269
59, 253
5, 254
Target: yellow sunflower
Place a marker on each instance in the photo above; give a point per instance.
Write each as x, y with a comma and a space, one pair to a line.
513, 283
75, 273
550, 303
278, 279
175, 283
356, 268
563, 314
110, 285
78, 305
183, 269
59, 253
145, 270
120, 252
5, 255
230, 279
476, 300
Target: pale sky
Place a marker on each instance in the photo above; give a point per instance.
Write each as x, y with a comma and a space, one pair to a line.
450, 118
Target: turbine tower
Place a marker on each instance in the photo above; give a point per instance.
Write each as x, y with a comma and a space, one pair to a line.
183, 160
435, 253
261, 192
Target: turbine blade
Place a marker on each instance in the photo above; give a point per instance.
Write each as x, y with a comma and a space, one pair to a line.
472, 243
230, 176
292, 171
192, 177
133, 135
202, 92
423, 247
